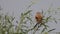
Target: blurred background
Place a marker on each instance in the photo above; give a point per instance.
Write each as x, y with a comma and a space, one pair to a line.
16, 7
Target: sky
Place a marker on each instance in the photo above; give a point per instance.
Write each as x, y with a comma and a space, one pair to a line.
15, 7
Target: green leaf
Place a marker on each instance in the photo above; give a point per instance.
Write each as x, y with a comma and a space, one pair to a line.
13, 18
43, 30
29, 6
9, 21
7, 17
46, 33
29, 18
48, 18
51, 30
0, 17
55, 20
21, 14
27, 12
46, 26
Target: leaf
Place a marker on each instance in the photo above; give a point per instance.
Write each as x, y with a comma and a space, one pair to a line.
46, 33
46, 26
0, 17
27, 12
29, 18
47, 19
21, 14
51, 30
5, 16
23, 18
25, 26
43, 30
55, 20
13, 18
9, 21
29, 6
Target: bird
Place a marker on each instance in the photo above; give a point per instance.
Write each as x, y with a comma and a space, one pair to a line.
38, 18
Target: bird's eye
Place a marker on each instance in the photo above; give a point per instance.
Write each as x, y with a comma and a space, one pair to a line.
36, 17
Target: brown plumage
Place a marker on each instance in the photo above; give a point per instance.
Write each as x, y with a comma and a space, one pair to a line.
38, 18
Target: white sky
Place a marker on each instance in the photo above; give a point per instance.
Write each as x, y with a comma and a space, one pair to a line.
18, 6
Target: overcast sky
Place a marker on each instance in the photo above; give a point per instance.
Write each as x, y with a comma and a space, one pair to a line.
18, 6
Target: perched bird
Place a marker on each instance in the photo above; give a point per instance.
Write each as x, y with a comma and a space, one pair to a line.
38, 18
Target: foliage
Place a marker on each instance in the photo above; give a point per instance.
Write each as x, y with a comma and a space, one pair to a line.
7, 23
